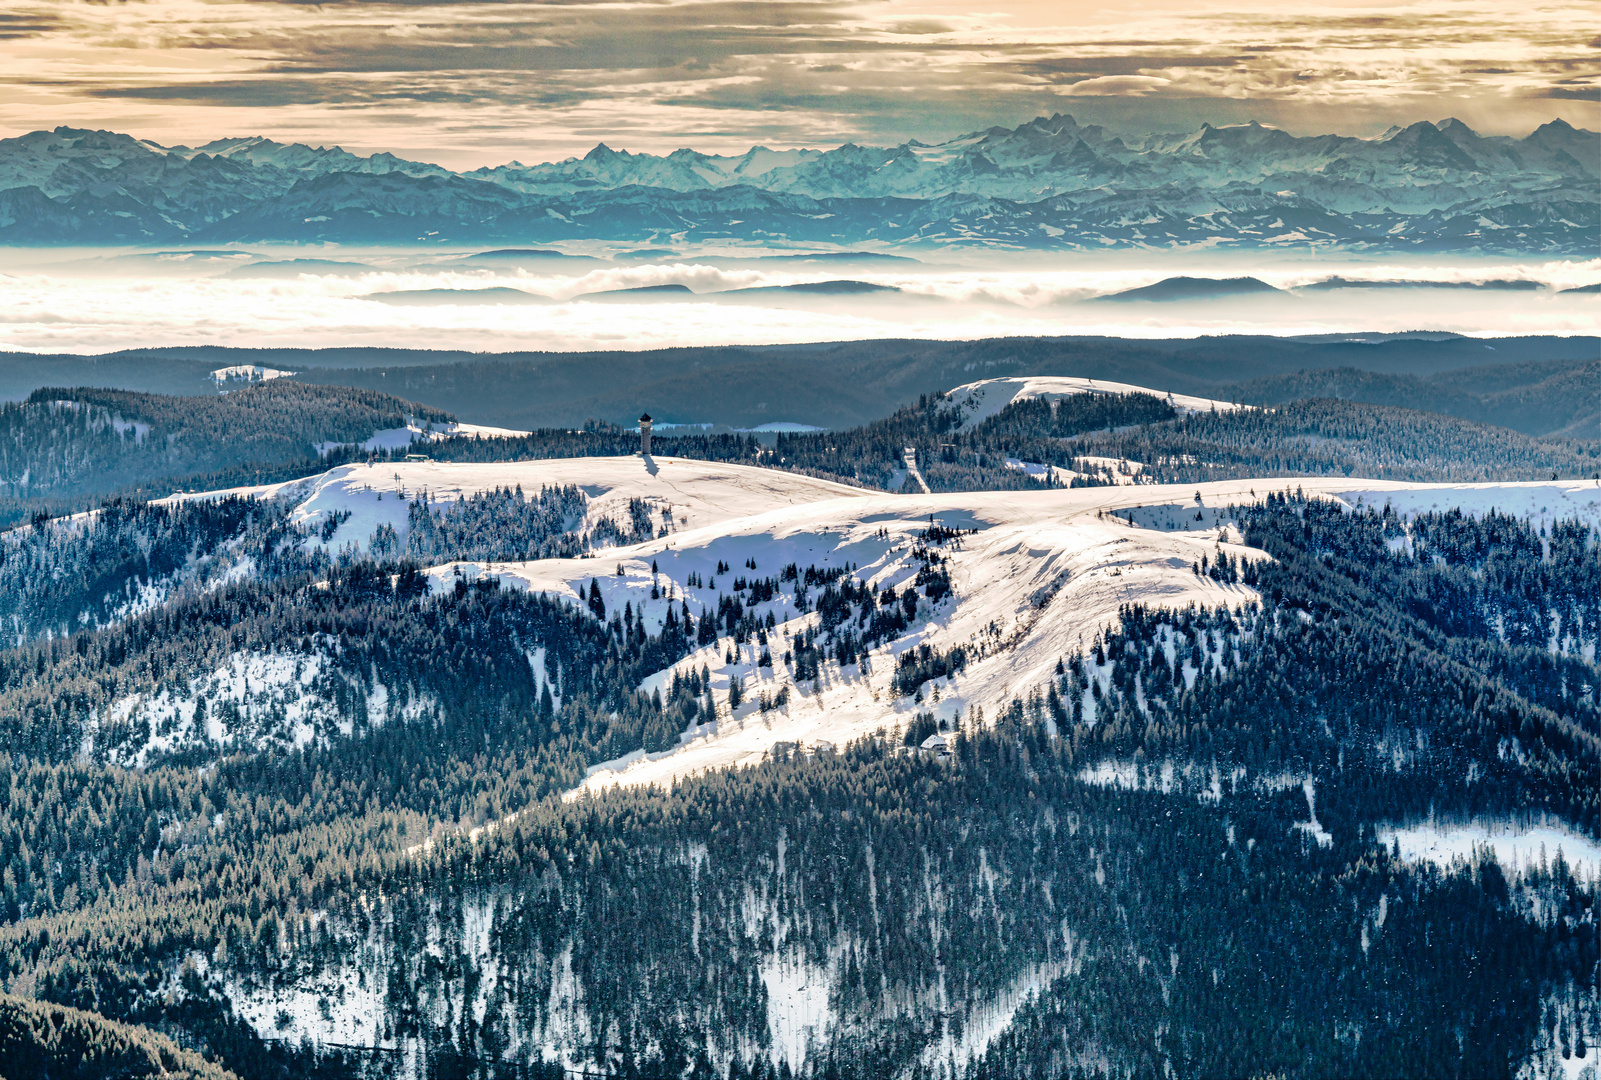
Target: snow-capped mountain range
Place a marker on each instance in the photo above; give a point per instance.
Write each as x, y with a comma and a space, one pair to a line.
1048, 183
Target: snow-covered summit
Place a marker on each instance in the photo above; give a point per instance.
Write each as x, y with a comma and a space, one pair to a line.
698, 493
983, 399
1048, 183
1033, 577
1042, 574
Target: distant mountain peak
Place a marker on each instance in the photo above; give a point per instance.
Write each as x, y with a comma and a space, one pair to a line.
1049, 182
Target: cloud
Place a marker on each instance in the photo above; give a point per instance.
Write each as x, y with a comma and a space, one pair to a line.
1121, 85
257, 93
1570, 93
29, 24
920, 26
461, 81
54, 311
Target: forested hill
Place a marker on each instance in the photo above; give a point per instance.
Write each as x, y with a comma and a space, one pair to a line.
64, 448
852, 383
1104, 439
1341, 438
39, 1040
847, 384
1177, 845
1560, 398
65, 444
1139, 438
417, 771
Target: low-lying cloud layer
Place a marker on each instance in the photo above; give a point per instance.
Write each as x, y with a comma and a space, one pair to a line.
469, 82
84, 308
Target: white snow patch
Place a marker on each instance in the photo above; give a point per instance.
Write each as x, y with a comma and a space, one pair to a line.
1518, 848
421, 432
247, 373
1313, 827
798, 1013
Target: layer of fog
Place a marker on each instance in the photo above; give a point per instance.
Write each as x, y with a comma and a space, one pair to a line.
94, 302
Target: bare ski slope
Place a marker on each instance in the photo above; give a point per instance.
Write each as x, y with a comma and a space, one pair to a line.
983, 399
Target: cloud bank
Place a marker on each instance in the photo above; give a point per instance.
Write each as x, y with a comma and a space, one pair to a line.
57, 310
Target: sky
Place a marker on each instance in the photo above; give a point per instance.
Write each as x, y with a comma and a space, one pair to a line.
467, 83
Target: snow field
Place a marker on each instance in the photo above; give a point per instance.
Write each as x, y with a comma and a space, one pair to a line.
1119, 471
798, 1012
247, 373
1540, 502
1036, 581
697, 492
343, 1005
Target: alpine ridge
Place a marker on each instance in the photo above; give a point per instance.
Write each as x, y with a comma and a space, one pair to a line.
1049, 183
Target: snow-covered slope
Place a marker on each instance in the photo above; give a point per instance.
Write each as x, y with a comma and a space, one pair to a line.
697, 493
1041, 575
983, 399
247, 373
1049, 183
1035, 576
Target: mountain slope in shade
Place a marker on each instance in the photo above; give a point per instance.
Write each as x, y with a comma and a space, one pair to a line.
41, 1039
838, 287
1498, 284
1546, 399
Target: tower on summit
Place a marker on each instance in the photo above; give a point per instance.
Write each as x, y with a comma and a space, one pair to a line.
644, 434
